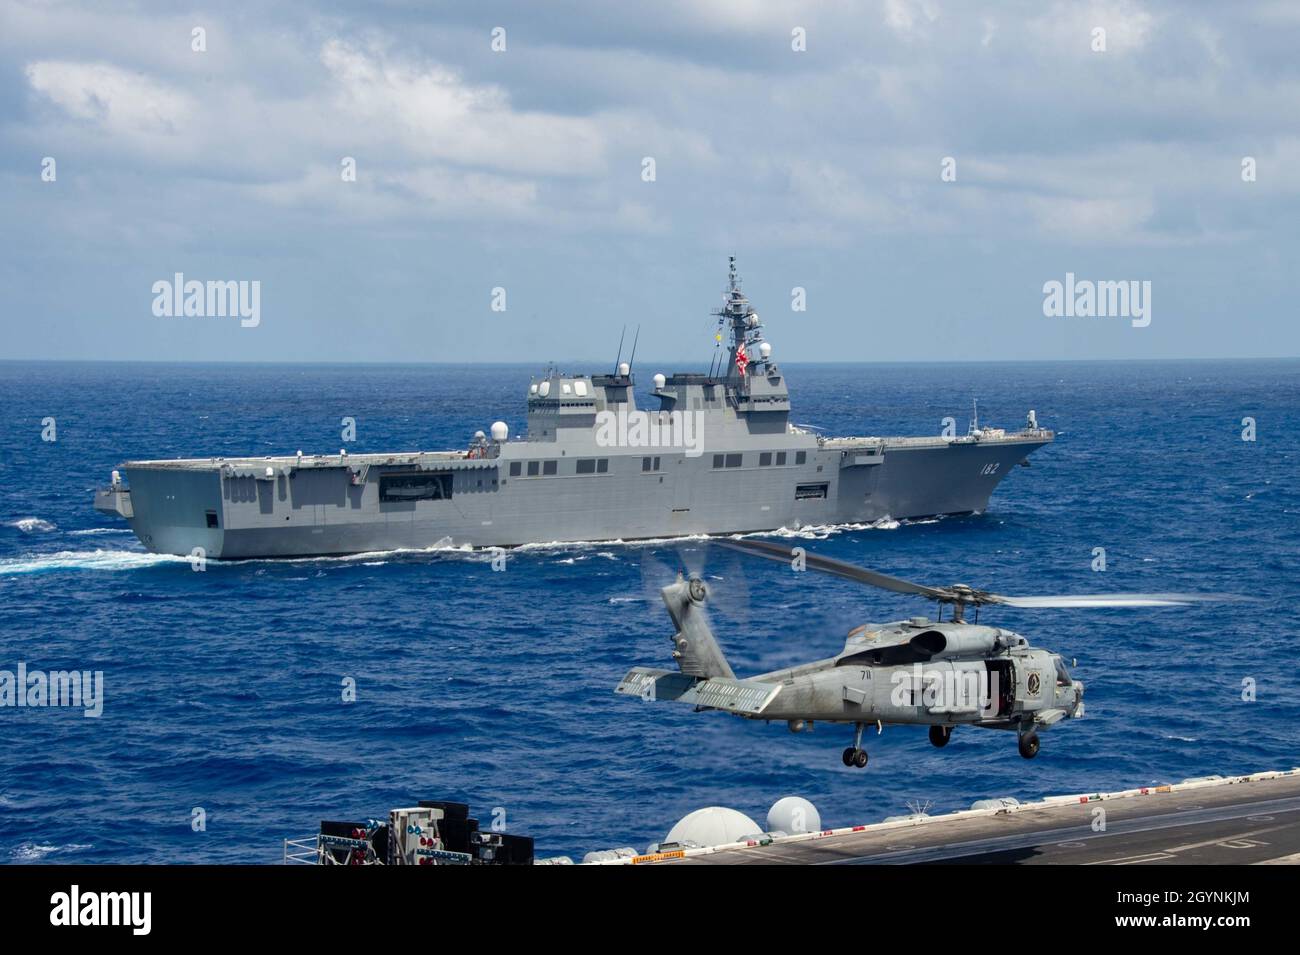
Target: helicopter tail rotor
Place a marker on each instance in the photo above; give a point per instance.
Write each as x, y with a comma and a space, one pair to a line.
724, 575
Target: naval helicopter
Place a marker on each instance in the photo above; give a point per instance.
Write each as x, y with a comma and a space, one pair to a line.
935, 673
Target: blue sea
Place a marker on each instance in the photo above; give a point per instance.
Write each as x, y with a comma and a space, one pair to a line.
223, 689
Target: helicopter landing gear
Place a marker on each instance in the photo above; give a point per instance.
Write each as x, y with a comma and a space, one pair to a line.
1029, 744
939, 735
855, 755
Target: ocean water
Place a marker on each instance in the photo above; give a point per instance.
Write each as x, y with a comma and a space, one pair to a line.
223, 688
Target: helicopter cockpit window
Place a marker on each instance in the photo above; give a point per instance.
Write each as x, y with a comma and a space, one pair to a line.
1062, 674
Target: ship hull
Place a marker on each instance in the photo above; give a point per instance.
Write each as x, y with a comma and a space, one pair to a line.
324, 509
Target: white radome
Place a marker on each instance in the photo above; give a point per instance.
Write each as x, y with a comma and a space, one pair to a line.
765, 350
500, 431
532, 389
660, 381
624, 368
713, 826
544, 389
793, 815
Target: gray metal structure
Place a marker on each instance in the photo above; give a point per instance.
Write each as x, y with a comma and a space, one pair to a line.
934, 673
1234, 820
719, 456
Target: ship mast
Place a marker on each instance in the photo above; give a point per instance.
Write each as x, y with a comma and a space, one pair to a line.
745, 328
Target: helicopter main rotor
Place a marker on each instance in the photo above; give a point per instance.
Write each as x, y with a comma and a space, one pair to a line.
960, 596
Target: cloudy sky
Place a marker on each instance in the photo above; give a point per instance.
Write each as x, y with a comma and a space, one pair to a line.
524, 169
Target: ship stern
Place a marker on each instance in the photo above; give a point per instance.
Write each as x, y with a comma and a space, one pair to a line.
171, 510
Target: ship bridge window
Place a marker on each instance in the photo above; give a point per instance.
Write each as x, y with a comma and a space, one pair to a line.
650, 464
780, 459
801, 457
765, 459
734, 460
533, 467
212, 518
516, 468
419, 486
593, 465
550, 467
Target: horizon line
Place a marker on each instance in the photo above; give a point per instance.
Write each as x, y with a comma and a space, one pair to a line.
310, 363
592, 361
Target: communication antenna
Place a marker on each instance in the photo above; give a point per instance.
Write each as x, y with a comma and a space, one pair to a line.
635, 339
620, 349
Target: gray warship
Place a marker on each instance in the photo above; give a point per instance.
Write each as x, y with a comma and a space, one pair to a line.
719, 456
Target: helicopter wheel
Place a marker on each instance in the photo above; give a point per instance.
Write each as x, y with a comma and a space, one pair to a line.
1029, 745
860, 759
939, 735
848, 756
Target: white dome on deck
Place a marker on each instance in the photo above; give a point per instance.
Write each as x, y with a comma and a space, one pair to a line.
713, 826
793, 815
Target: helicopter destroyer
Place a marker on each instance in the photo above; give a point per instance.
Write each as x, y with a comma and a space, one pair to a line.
719, 456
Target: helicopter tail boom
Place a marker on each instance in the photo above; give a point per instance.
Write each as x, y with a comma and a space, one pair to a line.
744, 697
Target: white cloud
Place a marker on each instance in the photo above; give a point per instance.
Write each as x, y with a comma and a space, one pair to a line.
118, 100
906, 16
432, 111
1091, 220
1065, 28
847, 138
